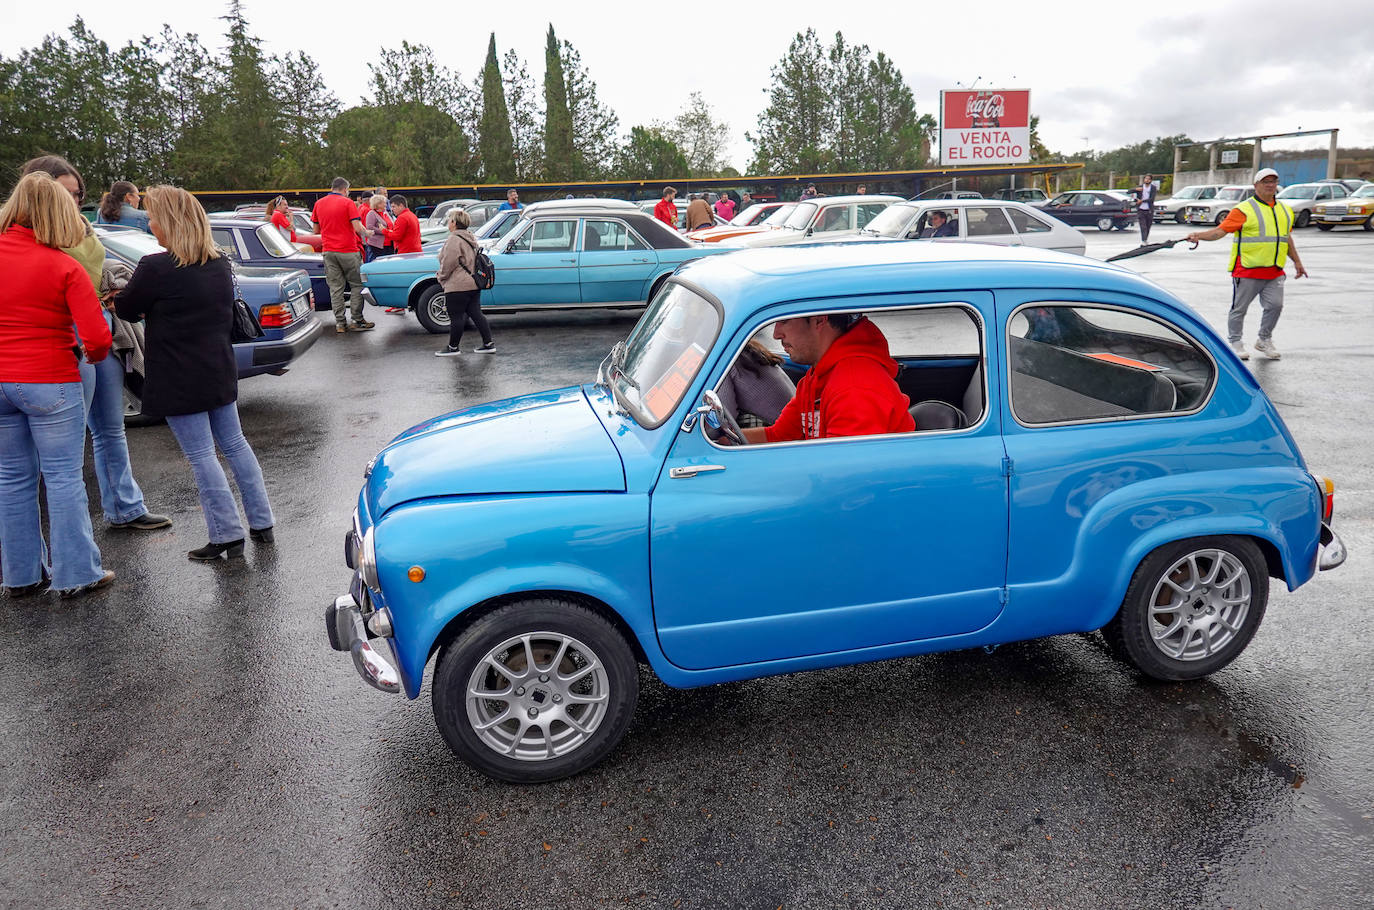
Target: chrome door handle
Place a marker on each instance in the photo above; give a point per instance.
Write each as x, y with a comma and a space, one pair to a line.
567, 260
693, 470
643, 260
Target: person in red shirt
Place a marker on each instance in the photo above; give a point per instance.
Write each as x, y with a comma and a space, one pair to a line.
405, 235
279, 211
341, 230
666, 210
42, 411
851, 388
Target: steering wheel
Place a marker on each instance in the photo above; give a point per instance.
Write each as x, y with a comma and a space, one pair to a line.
724, 425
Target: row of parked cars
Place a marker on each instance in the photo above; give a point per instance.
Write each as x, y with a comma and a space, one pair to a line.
1327, 203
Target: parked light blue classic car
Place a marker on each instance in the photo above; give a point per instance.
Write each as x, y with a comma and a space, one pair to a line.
1101, 460
561, 255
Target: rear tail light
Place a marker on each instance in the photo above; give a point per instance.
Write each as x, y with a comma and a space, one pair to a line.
275, 315
1328, 491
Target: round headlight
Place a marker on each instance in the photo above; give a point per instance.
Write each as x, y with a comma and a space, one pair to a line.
367, 561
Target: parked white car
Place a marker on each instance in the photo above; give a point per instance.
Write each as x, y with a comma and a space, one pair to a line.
1302, 197
1171, 209
997, 221
822, 218
1215, 210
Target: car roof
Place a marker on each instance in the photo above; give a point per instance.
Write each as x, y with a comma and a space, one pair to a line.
746, 280
236, 221
868, 197
564, 205
967, 203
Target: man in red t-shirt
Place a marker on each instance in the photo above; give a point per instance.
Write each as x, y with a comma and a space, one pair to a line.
666, 210
405, 235
340, 231
851, 388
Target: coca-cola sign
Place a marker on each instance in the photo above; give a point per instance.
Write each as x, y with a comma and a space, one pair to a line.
985, 127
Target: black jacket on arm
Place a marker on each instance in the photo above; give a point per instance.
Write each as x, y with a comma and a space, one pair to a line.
188, 311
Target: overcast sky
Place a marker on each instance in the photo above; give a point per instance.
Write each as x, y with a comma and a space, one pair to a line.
1099, 78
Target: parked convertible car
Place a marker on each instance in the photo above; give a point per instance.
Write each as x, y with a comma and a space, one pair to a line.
260, 244
1357, 208
281, 299
822, 218
982, 220
560, 255
1089, 455
1106, 209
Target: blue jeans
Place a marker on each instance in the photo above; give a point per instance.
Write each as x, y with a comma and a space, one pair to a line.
43, 430
103, 386
197, 434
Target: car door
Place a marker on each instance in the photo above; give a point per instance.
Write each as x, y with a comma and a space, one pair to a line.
1064, 208
989, 224
776, 552
538, 266
615, 263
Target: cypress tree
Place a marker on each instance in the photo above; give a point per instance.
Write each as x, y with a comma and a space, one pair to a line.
494, 136
558, 125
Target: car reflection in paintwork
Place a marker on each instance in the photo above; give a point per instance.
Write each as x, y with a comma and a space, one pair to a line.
1088, 454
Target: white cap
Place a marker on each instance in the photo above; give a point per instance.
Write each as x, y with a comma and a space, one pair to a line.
1265, 172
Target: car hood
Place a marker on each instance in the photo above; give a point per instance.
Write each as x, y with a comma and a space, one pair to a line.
547, 442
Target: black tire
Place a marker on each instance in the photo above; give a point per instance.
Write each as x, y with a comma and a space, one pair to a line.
1183, 575
1368, 224
1327, 227
1105, 223
586, 644
1221, 216
1303, 220
1178, 217
431, 310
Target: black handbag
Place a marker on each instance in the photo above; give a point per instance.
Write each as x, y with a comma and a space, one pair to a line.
245, 326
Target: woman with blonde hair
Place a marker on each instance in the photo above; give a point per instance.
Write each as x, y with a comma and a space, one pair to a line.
186, 298
42, 413
457, 259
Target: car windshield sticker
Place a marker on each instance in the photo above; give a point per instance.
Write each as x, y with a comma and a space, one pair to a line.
663, 396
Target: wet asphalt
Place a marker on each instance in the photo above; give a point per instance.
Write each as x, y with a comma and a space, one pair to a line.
188, 739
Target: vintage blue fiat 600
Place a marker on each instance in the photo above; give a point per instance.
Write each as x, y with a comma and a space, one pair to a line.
1087, 454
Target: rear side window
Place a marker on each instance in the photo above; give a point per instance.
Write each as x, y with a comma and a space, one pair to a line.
1071, 363
1026, 223
986, 221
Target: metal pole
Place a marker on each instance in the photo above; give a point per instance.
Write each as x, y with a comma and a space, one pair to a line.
1212, 163
1257, 158
1331, 157
1178, 162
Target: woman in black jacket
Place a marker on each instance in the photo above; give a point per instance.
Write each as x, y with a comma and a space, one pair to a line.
186, 297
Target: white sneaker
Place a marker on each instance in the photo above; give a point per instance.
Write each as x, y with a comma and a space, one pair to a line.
1266, 347
1239, 348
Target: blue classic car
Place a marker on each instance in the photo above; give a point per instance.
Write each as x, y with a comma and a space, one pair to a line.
1087, 454
279, 297
260, 244
560, 255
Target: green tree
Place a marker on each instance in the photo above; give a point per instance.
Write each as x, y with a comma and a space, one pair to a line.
526, 119
701, 137
495, 144
306, 110
849, 88
649, 153
794, 127
888, 133
594, 125
559, 162
407, 144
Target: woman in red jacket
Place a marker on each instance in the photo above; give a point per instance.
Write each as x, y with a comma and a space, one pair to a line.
42, 414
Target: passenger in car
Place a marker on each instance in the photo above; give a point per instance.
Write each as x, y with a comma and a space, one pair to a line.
851, 388
939, 225
756, 389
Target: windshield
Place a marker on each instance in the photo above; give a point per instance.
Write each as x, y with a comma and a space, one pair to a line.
663, 354
1231, 193
746, 216
498, 225
1363, 192
891, 220
780, 216
801, 216
274, 241
1301, 191
1188, 192
131, 245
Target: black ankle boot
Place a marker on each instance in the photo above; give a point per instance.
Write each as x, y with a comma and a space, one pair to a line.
213, 550
261, 535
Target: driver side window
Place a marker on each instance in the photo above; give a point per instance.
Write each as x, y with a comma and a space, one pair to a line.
547, 237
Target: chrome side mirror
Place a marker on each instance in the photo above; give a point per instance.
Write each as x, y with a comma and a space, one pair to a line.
710, 403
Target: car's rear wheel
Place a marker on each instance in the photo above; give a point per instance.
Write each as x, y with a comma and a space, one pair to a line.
1192, 607
1327, 227
1104, 223
432, 310
535, 691
1303, 220
1221, 216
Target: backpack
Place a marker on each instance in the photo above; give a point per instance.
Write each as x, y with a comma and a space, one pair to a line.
483, 271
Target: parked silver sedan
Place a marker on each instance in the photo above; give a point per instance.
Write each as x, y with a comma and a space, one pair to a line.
996, 221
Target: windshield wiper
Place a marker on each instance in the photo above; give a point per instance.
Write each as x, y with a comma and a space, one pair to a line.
617, 359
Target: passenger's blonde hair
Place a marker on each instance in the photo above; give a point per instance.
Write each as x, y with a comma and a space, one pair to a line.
182, 223
459, 216
43, 205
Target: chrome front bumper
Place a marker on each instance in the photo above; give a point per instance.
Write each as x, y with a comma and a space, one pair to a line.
1332, 549
343, 621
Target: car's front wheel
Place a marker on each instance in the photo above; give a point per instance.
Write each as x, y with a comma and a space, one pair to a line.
1192, 607
1303, 220
1104, 223
1221, 215
432, 310
535, 691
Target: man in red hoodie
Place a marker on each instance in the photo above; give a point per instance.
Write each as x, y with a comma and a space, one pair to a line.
851, 388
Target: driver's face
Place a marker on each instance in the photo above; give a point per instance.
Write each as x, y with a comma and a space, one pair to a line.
800, 338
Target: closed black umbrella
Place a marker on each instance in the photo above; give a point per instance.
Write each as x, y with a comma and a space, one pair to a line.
1148, 248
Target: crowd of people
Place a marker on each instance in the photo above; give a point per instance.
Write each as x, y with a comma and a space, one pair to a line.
71, 324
